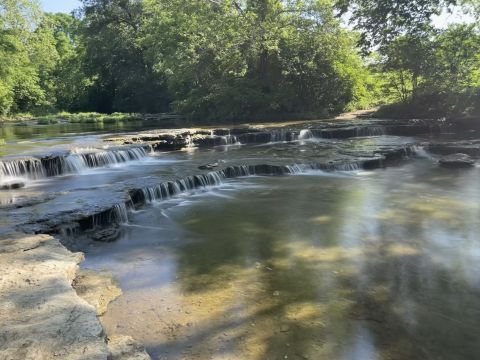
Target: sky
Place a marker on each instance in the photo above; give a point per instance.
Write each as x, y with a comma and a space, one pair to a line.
441, 21
59, 5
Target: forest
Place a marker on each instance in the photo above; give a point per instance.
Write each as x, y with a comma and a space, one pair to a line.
223, 60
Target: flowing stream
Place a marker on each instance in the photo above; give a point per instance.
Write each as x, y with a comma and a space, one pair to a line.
379, 265
314, 262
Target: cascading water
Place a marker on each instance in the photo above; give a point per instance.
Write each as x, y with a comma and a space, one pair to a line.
370, 131
72, 163
31, 168
105, 157
169, 189
305, 134
229, 140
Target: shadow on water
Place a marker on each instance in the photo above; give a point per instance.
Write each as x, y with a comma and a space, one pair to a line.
377, 267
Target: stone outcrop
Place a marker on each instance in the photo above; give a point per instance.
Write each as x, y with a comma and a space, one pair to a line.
457, 161
469, 147
96, 288
41, 316
123, 347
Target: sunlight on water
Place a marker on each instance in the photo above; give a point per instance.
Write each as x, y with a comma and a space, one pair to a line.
377, 267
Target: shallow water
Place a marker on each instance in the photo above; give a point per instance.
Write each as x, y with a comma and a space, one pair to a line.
366, 265
320, 265
32, 138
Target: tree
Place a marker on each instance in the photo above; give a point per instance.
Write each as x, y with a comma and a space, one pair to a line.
251, 59
406, 63
122, 78
19, 78
382, 21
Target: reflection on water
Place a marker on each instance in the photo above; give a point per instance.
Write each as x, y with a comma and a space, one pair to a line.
382, 266
15, 139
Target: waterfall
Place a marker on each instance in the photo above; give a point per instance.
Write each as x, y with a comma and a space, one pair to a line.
35, 168
305, 134
28, 168
103, 158
167, 190
189, 141
371, 131
282, 135
229, 140
69, 230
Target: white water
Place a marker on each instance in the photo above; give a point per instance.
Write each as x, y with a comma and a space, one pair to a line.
75, 162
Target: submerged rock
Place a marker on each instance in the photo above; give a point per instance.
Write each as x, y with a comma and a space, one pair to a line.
124, 347
471, 148
108, 234
96, 288
208, 166
457, 161
12, 185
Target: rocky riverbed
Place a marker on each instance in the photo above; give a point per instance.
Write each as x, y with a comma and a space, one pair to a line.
78, 196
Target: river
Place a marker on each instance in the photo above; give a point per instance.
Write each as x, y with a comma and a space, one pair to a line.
344, 264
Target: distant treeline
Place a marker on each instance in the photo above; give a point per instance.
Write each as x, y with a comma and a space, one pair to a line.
226, 59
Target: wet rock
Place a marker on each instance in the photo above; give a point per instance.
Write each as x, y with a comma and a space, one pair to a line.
255, 137
123, 347
208, 166
457, 161
41, 316
471, 148
12, 185
108, 234
97, 288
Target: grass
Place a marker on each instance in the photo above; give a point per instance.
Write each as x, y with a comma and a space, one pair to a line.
88, 118
85, 118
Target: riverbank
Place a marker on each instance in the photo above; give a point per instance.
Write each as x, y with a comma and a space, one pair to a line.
163, 119
83, 118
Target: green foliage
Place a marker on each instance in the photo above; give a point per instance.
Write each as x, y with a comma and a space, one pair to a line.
121, 77
87, 118
233, 59
435, 75
255, 59
382, 21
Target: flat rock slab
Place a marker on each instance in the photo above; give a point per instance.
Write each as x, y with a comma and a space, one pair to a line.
469, 147
41, 316
97, 288
123, 347
12, 185
457, 161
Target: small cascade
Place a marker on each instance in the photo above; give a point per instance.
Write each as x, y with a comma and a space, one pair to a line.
169, 189
370, 131
229, 140
282, 135
420, 152
30, 168
103, 158
117, 214
190, 143
120, 213
69, 230
305, 134
71, 163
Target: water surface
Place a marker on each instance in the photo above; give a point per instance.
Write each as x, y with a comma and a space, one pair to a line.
364, 265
